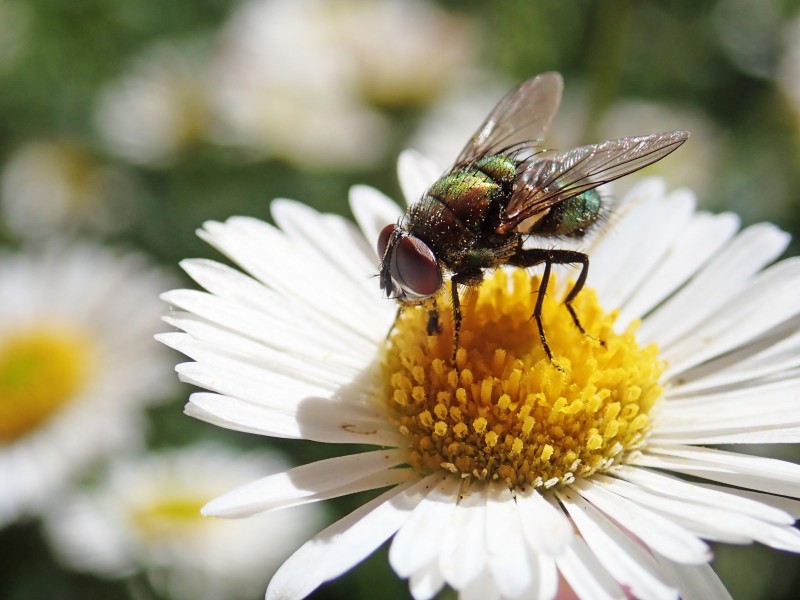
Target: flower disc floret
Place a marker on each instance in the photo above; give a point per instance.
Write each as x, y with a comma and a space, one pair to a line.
505, 411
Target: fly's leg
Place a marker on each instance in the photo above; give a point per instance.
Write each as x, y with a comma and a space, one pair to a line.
468, 278
394, 323
456, 318
573, 293
434, 327
534, 256
537, 310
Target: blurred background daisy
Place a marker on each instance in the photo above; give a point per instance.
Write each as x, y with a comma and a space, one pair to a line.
125, 126
143, 516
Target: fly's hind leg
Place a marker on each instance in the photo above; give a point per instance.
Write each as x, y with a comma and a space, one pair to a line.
534, 256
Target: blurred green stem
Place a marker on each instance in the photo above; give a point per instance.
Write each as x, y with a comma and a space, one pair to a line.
606, 53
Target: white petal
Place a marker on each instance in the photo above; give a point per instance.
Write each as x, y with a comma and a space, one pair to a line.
313, 480
783, 505
702, 237
714, 284
742, 470
605, 245
774, 354
695, 582
639, 242
658, 533
463, 552
508, 560
254, 245
482, 587
350, 253
299, 332
623, 557
714, 521
417, 542
546, 528
729, 498
321, 421
373, 211
346, 543
416, 173
585, 575
766, 302
426, 582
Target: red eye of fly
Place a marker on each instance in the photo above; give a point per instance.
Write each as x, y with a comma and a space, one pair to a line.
416, 268
383, 239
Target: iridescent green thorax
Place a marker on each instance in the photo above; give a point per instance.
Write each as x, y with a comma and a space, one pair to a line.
499, 167
572, 217
455, 186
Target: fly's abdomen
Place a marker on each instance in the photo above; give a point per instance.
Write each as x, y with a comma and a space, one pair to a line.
572, 217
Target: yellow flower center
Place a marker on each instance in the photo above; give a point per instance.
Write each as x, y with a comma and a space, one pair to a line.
169, 516
506, 412
40, 371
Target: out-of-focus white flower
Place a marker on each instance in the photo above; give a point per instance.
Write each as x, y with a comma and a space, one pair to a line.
298, 79
447, 126
144, 514
14, 19
404, 52
508, 475
282, 91
50, 186
77, 364
159, 107
699, 162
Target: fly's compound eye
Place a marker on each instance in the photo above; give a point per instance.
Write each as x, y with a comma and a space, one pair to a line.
414, 267
383, 239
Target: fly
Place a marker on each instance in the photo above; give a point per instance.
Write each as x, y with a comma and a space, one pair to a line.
502, 189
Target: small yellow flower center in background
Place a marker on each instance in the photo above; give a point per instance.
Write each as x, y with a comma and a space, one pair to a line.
40, 371
507, 412
170, 516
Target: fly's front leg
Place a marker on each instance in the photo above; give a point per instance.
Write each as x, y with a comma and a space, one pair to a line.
469, 277
456, 318
434, 327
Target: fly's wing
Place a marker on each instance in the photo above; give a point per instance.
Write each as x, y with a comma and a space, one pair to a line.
552, 178
523, 115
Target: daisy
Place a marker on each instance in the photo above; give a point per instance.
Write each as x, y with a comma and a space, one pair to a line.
281, 90
507, 474
159, 107
77, 364
144, 514
55, 185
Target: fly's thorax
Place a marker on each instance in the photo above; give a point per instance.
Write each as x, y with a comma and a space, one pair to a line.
499, 167
468, 196
572, 217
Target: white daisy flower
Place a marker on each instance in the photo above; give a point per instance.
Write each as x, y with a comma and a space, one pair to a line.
510, 476
55, 185
77, 364
144, 514
159, 107
280, 89
299, 79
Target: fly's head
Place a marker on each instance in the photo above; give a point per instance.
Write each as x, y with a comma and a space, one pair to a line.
410, 272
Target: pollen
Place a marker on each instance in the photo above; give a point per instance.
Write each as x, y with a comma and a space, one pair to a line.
504, 410
41, 371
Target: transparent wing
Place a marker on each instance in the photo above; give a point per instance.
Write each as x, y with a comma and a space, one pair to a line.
550, 178
523, 115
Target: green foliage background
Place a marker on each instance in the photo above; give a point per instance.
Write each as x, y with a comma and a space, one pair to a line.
663, 51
